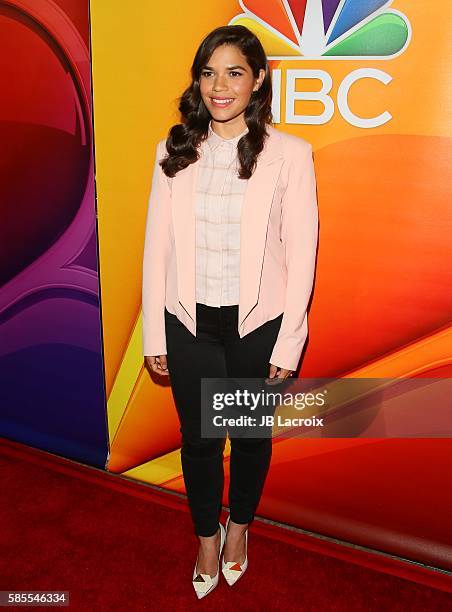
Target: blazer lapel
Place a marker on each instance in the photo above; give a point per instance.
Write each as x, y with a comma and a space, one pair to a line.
183, 213
254, 220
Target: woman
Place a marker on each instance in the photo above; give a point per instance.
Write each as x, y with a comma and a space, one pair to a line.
228, 267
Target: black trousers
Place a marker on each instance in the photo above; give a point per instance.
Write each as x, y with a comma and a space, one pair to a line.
217, 351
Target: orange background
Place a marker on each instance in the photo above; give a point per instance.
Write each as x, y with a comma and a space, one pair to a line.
382, 301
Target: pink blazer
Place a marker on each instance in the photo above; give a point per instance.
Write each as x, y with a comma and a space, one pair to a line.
278, 241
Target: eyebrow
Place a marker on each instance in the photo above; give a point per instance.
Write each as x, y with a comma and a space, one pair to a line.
229, 67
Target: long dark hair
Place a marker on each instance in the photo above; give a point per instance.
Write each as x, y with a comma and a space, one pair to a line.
184, 138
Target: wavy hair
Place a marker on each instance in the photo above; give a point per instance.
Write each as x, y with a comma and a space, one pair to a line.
184, 138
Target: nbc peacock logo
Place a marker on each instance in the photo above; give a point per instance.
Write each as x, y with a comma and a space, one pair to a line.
326, 29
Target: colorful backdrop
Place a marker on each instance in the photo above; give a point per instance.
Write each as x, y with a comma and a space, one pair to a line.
366, 82
51, 367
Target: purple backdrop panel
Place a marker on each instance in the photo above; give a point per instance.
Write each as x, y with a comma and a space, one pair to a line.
51, 367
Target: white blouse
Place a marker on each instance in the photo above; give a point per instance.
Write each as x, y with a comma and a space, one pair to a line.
219, 197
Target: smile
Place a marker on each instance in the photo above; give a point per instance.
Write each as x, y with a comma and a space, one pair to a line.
222, 102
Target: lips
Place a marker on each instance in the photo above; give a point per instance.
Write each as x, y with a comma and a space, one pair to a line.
221, 102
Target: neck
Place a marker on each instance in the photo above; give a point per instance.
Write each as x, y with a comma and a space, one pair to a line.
231, 128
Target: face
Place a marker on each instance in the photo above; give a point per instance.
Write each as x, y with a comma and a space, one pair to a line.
227, 82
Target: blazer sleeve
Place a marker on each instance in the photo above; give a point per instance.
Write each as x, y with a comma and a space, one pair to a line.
299, 234
155, 260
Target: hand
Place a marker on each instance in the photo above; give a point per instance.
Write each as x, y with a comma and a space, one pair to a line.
157, 364
277, 375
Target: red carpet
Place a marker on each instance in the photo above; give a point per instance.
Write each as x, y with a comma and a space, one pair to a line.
113, 543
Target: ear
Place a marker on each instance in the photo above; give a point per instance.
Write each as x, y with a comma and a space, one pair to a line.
259, 79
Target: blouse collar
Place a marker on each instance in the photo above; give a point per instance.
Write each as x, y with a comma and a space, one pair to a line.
216, 140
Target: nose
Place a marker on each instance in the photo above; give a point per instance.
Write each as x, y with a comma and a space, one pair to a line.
219, 83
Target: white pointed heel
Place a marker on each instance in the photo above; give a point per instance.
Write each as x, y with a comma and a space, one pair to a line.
204, 583
232, 570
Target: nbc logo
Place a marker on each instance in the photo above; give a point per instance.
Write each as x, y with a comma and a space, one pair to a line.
326, 30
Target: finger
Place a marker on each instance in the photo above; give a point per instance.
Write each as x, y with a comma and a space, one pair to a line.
162, 367
148, 364
158, 370
273, 378
153, 365
272, 371
280, 374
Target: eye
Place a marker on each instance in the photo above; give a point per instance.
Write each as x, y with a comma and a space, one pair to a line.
233, 73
